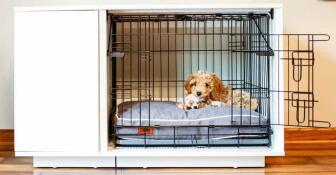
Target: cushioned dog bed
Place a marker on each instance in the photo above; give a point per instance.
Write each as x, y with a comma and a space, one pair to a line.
188, 126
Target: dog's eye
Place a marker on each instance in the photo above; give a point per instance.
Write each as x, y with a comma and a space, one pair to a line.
207, 85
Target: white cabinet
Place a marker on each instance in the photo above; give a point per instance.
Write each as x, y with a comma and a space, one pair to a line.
62, 84
56, 81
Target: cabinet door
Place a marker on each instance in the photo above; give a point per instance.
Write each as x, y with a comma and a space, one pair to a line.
56, 81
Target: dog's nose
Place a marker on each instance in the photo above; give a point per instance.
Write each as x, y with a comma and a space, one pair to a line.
199, 93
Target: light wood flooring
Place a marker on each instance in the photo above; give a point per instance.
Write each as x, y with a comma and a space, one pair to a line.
297, 162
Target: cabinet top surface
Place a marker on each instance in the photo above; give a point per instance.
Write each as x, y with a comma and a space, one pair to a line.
126, 6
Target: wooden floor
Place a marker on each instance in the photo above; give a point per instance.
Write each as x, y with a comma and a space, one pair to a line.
296, 162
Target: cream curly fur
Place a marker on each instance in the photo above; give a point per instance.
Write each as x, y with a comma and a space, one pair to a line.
210, 89
241, 99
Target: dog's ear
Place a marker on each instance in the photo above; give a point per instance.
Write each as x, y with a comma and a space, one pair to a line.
188, 84
220, 92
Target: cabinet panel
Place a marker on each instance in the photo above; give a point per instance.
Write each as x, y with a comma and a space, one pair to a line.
56, 81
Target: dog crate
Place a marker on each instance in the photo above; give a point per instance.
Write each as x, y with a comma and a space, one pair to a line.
153, 54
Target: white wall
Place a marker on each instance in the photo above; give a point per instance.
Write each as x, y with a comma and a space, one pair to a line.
6, 64
300, 16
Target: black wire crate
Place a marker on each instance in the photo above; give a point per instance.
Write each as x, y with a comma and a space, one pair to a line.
153, 55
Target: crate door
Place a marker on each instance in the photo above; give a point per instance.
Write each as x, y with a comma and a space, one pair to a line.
281, 67
293, 81
56, 81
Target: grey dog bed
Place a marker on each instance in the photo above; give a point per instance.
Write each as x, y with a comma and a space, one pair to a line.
187, 126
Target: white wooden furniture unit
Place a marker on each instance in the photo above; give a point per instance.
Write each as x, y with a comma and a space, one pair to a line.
61, 113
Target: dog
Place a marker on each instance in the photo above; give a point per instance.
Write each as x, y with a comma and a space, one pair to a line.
209, 88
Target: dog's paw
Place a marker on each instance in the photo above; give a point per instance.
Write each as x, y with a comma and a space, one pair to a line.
216, 103
180, 105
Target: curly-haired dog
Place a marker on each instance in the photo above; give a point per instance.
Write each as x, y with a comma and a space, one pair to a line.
210, 89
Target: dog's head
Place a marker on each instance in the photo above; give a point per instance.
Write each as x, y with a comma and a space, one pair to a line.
206, 85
